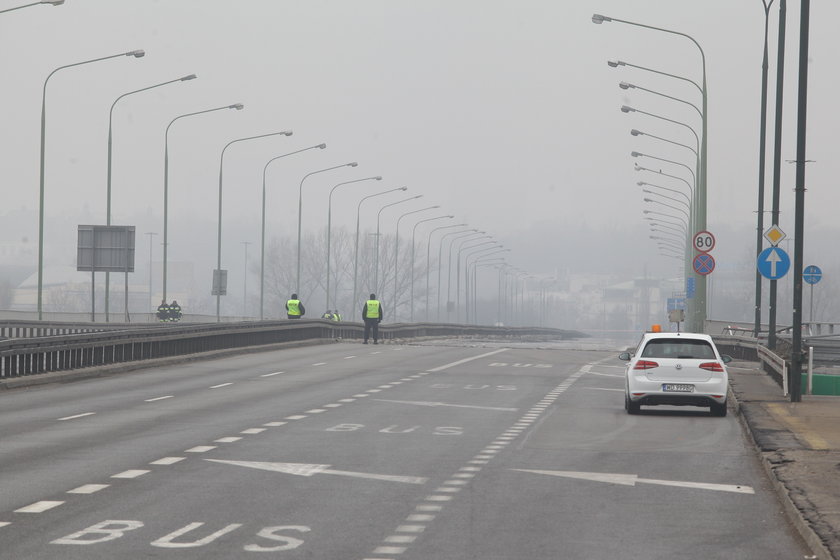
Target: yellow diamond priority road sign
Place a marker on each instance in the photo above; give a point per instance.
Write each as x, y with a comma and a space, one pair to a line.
774, 235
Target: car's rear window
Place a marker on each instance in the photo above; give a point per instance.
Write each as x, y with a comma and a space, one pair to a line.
678, 348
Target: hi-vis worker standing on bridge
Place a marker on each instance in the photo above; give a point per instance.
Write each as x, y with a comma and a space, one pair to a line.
372, 315
294, 308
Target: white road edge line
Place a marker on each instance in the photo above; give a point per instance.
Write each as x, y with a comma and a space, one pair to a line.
465, 360
76, 416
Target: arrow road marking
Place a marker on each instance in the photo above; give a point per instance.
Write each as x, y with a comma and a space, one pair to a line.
773, 258
305, 469
632, 480
427, 403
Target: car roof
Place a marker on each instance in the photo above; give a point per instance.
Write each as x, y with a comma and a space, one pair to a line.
683, 335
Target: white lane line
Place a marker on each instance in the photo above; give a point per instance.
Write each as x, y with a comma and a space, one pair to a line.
400, 539
76, 416
603, 389
346, 400
272, 374
38, 507
4, 523
88, 489
437, 498
275, 424
389, 550
349, 357
605, 374
168, 461
295, 417
427, 403
221, 385
450, 489
428, 507
420, 517
316, 411
160, 398
200, 449
332, 405
376, 352
134, 473
230, 439
463, 475
465, 360
360, 395
374, 391
320, 364
410, 529
251, 431
632, 480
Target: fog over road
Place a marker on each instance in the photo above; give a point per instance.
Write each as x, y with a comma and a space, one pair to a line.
346, 451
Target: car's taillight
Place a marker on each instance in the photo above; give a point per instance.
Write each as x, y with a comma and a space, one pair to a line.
645, 364
712, 366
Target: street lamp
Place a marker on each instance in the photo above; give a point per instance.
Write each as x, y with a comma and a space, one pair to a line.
397, 253
238, 107
217, 284
262, 227
51, 2
440, 259
683, 222
642, 183
636, 132
429, 261
300, 212
329, 227
245, 282
108, 183
150, 234
700, 204
628, 109
376, 242
667, 205
136, 54
627, 85
413, 232
356, 253
495, 247
462, 239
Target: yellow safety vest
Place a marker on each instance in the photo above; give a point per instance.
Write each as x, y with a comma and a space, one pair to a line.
294, 307
372, 311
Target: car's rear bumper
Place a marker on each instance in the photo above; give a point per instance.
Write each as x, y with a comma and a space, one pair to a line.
646, 392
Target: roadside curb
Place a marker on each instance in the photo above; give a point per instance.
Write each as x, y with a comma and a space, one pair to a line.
794, 515
116, 369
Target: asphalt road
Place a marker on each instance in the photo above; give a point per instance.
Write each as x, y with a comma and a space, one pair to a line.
345, 451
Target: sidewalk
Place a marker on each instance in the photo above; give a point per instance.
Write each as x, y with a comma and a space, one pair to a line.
799, 444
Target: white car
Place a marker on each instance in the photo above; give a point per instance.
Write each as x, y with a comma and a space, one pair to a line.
677, 369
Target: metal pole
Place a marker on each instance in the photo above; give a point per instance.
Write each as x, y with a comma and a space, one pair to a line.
245, 282
262, 223
777, 157
799, 219
413, 233
397, 254
151, 301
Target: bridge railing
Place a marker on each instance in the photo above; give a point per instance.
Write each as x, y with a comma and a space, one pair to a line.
60, 352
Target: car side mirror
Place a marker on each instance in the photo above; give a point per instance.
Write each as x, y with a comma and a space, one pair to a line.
625, 356
726, 359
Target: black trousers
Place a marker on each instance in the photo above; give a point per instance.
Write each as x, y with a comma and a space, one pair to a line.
372, 324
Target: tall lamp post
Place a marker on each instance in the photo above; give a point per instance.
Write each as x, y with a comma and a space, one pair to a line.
137, 54
495, 247
262, 222
462, 239
356, 250
151, 234
51, 2
245, 281
700, 203
376, 241
429, 262
108, 183
300, 212
413, 233
329, 228
218, 284
397, 254
238, 107
463, 234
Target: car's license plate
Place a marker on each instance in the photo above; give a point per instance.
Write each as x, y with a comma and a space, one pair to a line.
677, 388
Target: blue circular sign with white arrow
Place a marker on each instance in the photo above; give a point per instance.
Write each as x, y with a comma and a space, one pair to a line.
812, 274
773, 263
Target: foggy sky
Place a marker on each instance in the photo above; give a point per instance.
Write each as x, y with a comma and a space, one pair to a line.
503, 113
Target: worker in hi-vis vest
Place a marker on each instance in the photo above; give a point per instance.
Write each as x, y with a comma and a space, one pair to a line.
294, 308
372, 315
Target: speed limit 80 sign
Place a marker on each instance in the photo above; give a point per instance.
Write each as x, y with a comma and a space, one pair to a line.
704, 241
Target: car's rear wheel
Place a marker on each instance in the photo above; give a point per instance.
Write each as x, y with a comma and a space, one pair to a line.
630, 406
718, 409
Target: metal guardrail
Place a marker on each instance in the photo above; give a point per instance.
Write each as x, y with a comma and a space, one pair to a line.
97, 347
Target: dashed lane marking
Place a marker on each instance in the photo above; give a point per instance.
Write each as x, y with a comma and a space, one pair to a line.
39, 507
88, 489
200, 449
272, 374
230, 439
167, 461
465, 360
134, 473
160, 398
221, 385
76, 416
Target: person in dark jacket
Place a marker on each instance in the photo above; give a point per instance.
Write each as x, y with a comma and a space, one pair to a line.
295, 308
163, 312
372, 315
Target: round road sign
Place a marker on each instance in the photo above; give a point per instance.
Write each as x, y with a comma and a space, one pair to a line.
704, 241
812, 274
704, 264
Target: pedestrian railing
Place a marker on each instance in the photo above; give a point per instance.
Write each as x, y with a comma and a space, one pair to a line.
98, 347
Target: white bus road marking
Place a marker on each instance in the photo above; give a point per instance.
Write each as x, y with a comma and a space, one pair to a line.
465, 360
160, 398
38, 507
305, 469
76, 416
428, 403
632, 480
